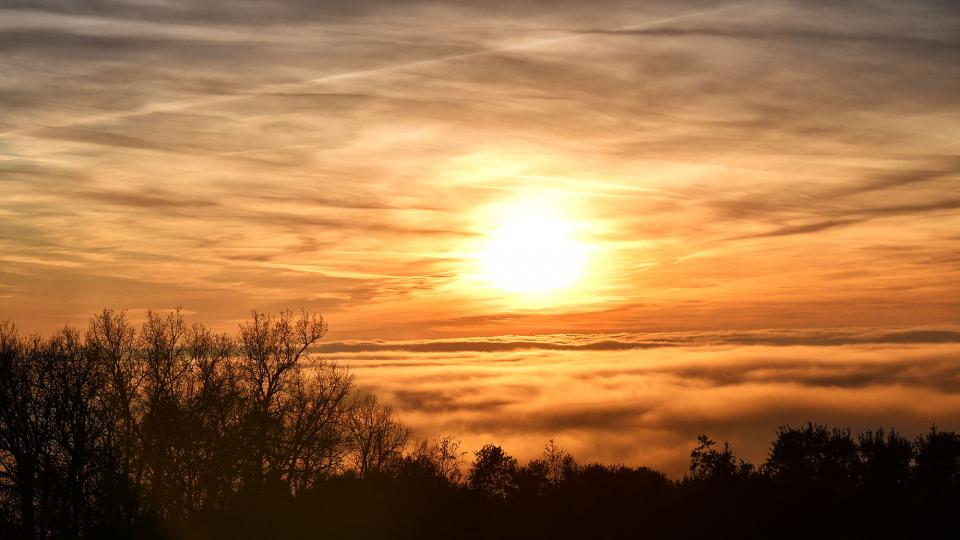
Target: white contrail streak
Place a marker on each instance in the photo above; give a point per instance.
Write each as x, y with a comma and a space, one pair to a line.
177, 105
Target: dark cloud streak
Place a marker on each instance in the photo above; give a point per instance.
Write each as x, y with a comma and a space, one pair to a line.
587, 342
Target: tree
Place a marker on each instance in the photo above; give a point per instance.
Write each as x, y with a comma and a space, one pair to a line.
26, 421
52, 425
550, 470
110, 342
168, 386
886, 460
271, 349
378, 438
817, 456
111, 428
76, 388
442, 459
938, 464
213, 412
313, 441
494, 472
710, 464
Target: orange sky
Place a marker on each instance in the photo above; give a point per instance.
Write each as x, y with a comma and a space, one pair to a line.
749, 164
725, 165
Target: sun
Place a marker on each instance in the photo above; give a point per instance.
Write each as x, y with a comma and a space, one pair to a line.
533, 250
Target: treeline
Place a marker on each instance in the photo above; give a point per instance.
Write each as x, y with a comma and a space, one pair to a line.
119, 432
173, 431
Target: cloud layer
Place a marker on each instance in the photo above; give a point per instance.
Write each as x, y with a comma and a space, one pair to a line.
625, 342
647, 406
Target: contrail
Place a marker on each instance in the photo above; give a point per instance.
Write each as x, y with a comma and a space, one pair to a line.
177, 105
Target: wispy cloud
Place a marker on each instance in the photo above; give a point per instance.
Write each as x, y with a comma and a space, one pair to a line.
789, 145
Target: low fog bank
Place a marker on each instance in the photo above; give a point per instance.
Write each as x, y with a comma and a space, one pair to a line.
647, 404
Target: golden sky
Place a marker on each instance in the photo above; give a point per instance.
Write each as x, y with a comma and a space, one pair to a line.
711, 166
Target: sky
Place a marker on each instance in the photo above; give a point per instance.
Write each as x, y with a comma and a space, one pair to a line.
756, 168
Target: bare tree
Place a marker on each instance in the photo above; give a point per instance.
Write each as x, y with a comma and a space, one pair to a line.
558, 463
26, 420
117, 426
443, 457
167, 386
313, 441
378, 438
76, 382
111, 343
271, 349
214, 415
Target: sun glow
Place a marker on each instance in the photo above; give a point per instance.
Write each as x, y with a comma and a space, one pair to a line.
533, 250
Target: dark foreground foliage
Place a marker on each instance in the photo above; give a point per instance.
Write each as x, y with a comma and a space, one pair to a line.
817, 483
175, 432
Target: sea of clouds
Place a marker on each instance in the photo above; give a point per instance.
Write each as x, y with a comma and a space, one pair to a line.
642, 399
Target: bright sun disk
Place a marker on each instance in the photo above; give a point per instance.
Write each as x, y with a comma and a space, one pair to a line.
533, 251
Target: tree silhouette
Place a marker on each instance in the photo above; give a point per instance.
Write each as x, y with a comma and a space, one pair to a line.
494, 472
441, 460
111, 343
111, 430
938, 464
270, 376
550, 470
175, 431
712, 465
886, 460
815, 455
377, 438
26, 420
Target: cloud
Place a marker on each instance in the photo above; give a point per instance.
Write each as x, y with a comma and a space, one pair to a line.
802, 229
147, 199
887, 180
648, 406
625, 342
812, 35
853, 216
